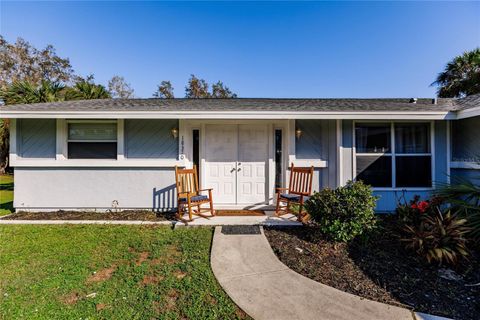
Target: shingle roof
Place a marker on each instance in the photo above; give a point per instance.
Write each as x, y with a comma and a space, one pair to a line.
469, 102
248, 104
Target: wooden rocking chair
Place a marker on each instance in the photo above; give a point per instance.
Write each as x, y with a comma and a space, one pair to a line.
189, 196
298, 191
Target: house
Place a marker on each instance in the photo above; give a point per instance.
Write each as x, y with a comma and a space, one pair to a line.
99, 154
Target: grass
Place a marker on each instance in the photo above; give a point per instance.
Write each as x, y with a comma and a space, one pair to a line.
6, 194
109, 272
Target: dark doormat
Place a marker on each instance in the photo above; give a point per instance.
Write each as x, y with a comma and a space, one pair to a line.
233, 213
231, 230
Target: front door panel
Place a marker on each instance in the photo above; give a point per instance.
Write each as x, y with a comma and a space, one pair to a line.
236, 157
221, 157
251, 165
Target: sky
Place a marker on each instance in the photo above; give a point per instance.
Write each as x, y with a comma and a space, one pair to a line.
259, 49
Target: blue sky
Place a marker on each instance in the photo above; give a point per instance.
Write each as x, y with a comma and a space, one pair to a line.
267, 49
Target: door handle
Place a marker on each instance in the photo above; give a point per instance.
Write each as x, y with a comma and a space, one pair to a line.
239, 163
239, 169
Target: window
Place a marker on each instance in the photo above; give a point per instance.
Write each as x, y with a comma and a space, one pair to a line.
394, 155
92, 140
278, 158
196, 147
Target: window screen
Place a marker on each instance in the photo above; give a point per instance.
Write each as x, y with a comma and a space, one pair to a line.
92, 140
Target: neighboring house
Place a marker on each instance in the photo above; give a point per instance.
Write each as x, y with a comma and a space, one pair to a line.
97, 154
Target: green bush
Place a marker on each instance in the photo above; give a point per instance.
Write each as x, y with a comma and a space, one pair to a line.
343, 213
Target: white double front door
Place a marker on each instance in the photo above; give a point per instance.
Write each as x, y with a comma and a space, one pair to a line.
236, 158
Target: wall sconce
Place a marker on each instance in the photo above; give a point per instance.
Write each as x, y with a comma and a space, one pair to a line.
174, 133
298, 133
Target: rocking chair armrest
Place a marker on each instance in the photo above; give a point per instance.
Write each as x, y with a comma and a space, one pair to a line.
208, 189
277, 190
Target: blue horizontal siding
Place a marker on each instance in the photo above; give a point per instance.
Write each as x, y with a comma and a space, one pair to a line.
459, 175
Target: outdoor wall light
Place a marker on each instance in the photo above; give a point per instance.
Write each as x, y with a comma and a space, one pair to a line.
175, 133
298, 133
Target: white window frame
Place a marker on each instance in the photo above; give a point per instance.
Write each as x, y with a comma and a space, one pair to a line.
117, 140
394, 155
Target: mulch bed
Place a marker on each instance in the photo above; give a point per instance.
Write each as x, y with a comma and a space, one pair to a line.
142, 215
380, 269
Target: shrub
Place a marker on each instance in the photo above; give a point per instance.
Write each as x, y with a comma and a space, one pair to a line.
415, 210
343, 213
438, 237
464, 198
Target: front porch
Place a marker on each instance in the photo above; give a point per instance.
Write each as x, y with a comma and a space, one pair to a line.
268, 219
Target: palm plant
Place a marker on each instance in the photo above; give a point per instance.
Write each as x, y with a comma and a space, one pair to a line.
86, 90
438, 238
28, 92
464, 196
461, 76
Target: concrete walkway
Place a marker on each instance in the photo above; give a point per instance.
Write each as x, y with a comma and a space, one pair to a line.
265, 288
269, 219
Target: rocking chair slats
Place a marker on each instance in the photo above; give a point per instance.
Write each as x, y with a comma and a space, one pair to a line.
298, 191
188, 194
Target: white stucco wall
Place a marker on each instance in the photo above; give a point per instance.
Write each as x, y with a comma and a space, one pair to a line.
94, 188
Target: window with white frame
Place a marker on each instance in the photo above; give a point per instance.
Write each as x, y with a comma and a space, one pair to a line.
394, 155
92, 140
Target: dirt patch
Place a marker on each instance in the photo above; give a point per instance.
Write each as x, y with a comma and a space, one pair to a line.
102, 275
151, 280
171, 300
157, 307
71, 298
100, 306
209, 299
142, 258
179, 274
139, 215
170, 255
241, 314
155, 262
380, 269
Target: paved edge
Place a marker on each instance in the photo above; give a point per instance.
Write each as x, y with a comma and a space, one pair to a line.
224, 281
121, 222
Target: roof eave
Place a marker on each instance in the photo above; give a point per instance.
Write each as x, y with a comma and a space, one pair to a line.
468, 113
260, 115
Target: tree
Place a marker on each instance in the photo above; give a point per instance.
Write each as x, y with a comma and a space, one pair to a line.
461, 76
196, 88
164, 90
219, 90
86, 89
4, 144
20, 61
118, 88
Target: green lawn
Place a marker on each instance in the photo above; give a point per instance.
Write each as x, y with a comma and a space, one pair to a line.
109, 272
6, 194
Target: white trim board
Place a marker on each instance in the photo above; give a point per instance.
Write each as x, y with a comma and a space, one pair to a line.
469, 113
465, 165
259, 115
19, 162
